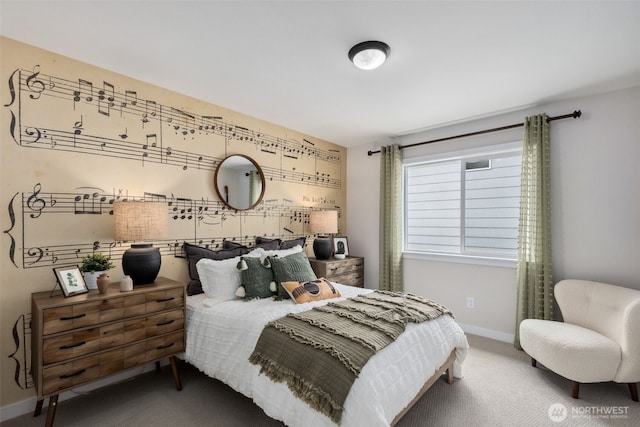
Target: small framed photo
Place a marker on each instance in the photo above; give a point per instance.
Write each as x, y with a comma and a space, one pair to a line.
70, 280
340, 246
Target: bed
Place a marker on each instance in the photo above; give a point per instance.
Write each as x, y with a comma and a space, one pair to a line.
221, 335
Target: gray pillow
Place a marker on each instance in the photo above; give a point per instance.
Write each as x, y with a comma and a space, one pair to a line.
267, 244
196, 253
287, 244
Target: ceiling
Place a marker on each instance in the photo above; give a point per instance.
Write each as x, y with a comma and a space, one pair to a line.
286, 61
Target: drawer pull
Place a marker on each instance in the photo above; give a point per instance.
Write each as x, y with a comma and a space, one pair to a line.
162, 347
359, 265
168, 322
68, 346
166, 299
73, 317
334, 269
72, 375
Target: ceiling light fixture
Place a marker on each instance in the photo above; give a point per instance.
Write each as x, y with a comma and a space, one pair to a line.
369, 55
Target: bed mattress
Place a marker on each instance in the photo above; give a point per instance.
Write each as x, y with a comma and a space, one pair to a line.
221, 335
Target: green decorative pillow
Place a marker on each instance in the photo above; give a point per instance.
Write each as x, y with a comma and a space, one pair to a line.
314, 290
257, 279
291, 268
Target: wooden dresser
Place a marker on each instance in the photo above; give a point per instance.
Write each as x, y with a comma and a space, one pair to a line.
83, 338
348, 271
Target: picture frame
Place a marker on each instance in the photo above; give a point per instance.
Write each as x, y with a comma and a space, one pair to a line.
340, 242
70, 280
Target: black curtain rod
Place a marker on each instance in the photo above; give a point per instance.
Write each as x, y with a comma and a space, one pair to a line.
573, 115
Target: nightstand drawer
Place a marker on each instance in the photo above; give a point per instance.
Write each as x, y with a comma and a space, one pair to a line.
344, 266
348, 271
350, 279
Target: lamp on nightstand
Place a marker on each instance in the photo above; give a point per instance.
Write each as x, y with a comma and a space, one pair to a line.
140, 221
322, 223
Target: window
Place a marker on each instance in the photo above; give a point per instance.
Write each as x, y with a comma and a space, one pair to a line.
466, 204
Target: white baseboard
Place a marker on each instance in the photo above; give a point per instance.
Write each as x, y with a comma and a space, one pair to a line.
28, 406
488, 333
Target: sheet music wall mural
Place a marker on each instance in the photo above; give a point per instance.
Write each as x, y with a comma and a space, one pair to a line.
76, 138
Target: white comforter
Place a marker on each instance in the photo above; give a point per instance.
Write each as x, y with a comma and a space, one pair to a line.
221, 336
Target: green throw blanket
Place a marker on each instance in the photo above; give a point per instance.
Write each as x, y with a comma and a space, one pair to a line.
320, 352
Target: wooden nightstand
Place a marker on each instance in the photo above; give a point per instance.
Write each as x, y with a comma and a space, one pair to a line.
348, 271
83, 338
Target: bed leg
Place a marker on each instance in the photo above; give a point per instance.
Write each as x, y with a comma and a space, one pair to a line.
450, 376
534, 362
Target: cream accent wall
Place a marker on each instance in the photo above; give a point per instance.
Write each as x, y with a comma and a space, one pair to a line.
595, 207
75, 138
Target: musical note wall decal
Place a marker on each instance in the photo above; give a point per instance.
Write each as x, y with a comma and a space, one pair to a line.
37, 205
85, 138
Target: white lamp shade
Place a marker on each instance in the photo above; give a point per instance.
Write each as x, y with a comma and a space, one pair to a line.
323, 222
140, 220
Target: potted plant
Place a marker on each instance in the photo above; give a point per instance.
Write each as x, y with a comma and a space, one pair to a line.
340, 252
93, 266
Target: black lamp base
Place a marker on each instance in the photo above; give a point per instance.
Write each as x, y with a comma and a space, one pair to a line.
142, 263
322, 247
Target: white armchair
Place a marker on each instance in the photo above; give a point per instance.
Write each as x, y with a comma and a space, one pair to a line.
599, 339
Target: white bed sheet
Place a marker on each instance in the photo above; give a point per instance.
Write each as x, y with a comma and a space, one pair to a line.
221, 335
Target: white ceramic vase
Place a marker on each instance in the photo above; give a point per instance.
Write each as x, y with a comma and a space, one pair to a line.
91, 279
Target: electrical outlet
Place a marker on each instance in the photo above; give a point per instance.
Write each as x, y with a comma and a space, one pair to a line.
471, 302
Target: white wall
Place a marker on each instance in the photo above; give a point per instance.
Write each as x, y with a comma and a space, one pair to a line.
595, 163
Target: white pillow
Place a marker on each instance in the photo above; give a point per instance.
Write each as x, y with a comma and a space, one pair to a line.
220, 278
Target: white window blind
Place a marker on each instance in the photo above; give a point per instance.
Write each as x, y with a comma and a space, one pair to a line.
464, 205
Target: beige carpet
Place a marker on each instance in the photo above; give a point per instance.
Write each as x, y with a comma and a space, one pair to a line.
500, 388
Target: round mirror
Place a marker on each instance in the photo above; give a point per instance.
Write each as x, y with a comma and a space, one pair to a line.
239, 182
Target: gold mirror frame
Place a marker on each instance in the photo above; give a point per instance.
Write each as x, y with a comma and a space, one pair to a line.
229, 176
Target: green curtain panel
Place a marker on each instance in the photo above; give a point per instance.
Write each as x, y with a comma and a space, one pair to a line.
390, 218
255, 187
535, 286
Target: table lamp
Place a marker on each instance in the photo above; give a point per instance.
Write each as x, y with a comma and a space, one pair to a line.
322, 223
140, 221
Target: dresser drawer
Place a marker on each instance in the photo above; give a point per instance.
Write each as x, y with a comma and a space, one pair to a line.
157, 348
79, 371
60, 319
163, 323
68, 346
164, 300
79, 343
